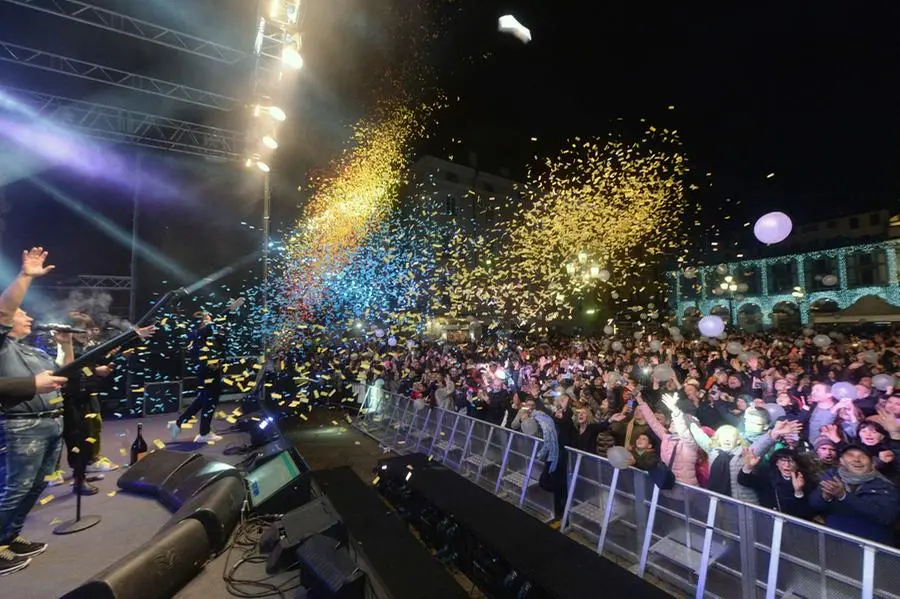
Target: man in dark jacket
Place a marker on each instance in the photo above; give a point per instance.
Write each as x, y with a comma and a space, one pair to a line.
856, 499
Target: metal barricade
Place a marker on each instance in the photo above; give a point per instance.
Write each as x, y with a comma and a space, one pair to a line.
707, 544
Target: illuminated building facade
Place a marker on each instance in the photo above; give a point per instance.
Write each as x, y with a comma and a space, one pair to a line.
784, 291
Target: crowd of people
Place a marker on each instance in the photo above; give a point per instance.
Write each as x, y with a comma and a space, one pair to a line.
793, 423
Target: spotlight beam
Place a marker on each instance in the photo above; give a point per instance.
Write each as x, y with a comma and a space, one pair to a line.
75, 10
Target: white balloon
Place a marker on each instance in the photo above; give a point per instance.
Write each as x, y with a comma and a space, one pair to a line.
883, 381
843, 390
822, 340
608, 330
829, 280
604, 275
662, 372
637, 334
617, 346
870, 356
379, 333
690, 273
722, 269
711, 326
808, 331
734, 348
619, 457
655, 345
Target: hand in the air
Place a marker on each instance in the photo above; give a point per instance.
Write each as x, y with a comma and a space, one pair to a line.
33, 262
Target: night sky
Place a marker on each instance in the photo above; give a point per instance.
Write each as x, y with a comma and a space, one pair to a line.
805, 90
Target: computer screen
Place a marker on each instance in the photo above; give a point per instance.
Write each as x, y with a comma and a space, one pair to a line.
271, 477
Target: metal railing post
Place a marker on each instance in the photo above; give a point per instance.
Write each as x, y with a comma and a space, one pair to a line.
774, 559
607, 510
868, 572
504, 463
564, 525
648, 536
707, 546
528, 470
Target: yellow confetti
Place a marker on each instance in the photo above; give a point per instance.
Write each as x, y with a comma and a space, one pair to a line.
159, 444
47, 499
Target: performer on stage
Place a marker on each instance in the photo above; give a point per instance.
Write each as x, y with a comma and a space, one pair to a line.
206, 350
30, 424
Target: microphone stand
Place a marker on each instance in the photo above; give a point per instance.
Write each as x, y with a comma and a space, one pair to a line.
72, 372
80, 522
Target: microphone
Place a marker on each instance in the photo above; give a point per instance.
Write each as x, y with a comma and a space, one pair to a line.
59, 328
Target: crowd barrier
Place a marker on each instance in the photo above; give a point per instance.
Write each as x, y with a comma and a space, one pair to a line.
706, 544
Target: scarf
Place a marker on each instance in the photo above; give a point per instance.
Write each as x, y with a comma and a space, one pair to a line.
550, 448
852, 480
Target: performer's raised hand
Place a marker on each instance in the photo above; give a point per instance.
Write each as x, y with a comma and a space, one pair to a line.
33, 262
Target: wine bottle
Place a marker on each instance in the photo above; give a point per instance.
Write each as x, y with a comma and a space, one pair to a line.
139, 447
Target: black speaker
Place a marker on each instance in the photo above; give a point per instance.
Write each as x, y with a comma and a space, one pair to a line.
328, 571
191, 479
155, 571
280, 484
318, 517
217, 507
147, 476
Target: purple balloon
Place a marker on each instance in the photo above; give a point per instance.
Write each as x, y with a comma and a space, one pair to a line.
711, 326
773, 227
843, 390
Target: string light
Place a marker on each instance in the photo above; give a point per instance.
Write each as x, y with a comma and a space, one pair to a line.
799, 296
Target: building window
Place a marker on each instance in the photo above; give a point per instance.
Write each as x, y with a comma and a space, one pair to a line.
854, 222
867, 269
488, 187
816, 270
874, 218
782, 277
452, 178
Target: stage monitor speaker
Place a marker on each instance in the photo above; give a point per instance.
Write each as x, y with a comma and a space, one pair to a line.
279, 485
328, 571
318, 517
157, 570
217, 507
147, 476
188, 481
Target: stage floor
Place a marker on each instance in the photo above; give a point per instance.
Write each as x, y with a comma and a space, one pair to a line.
128, 521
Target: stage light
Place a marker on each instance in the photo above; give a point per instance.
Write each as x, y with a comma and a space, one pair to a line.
273, 111
262, 166
248, 163
290, 57
270, 142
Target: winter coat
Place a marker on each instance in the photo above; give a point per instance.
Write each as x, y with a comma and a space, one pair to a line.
869, 511
684, 466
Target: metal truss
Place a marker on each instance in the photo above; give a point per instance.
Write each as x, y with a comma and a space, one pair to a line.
88, 14
94, 72
93, 283
114, 124
104, 282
